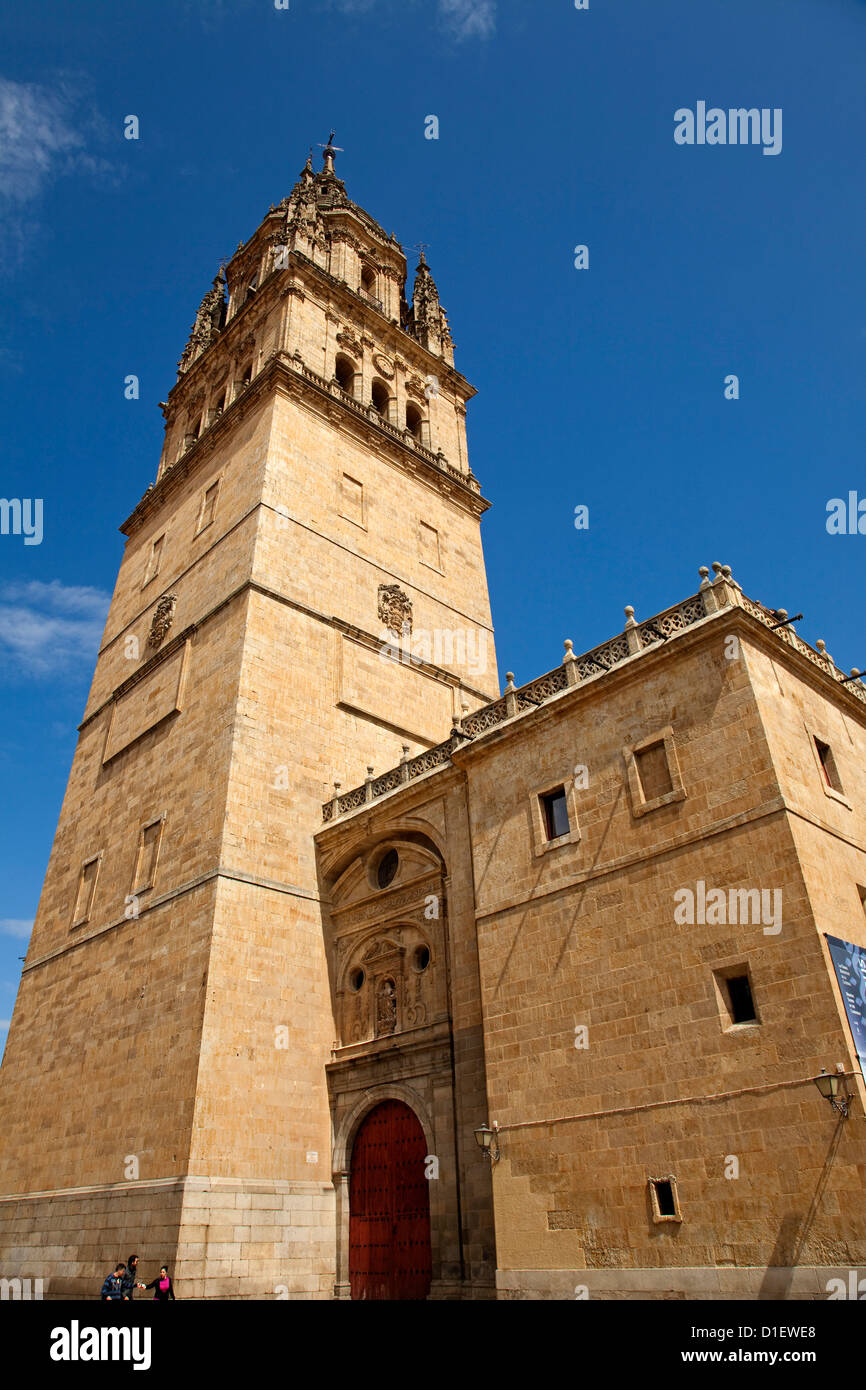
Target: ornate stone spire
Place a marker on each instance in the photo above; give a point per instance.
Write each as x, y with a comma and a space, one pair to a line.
430, 325
208, 323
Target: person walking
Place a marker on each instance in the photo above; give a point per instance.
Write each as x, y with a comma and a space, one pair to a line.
112, 1289
163, 1286
130, 1280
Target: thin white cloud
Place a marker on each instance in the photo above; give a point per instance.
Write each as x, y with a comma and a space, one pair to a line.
44, 134
16, 926
463, 19
46, 629
469, 19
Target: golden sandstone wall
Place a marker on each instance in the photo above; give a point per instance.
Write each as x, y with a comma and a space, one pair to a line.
584, 936
192, 1036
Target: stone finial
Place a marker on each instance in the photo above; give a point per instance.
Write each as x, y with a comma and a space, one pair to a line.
705, 577
632, 636
717, 570
404, 764
368, 784
509, 677
822, 648
510, 695
405, 756
335, 801
726, 571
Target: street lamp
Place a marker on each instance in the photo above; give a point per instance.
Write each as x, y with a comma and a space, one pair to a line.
834, 1089
486, 1139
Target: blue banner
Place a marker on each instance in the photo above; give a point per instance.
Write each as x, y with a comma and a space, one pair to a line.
850, 963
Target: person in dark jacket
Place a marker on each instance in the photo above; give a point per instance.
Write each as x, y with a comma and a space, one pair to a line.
130, 1279
112, 1289
162, 1285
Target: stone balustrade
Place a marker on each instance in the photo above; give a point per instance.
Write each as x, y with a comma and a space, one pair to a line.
713, 595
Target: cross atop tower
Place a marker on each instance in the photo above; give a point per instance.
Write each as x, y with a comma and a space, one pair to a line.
329, 151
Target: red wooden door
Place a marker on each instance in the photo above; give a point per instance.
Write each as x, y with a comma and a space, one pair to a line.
389, 1207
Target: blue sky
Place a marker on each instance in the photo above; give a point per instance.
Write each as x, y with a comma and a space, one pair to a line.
602, 387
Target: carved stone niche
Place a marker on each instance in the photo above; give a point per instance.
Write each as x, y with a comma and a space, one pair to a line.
387, 910
389, 984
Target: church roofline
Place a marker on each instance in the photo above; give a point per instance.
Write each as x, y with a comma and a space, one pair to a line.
715, 599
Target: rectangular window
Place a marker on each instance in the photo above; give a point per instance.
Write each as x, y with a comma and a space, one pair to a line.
86, 891
734, 995
828, 765
352, 500
653, 771
430, 553
555, 811
208, 506
148, 853
740, 994
155, 560
665, 1199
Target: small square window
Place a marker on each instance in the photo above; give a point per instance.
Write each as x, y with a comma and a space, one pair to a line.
554, 808
653, 771
554, 817
665, 1199
828, 765
86, 891
734, 995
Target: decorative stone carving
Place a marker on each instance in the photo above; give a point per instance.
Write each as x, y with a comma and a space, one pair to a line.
395, 607
208, 324
349, 343
163, 618
383, 365
416, 387
386, 1008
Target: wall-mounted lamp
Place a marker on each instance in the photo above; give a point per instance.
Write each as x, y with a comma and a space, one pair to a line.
834, 1089
487, 1141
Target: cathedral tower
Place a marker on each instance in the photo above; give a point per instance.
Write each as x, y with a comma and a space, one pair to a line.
302, 600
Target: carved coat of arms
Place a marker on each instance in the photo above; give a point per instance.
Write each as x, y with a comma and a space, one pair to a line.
395, 608
162, 620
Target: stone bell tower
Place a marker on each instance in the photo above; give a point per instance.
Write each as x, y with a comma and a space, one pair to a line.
302, 598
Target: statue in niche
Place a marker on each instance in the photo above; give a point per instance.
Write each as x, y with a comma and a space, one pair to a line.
386, 1008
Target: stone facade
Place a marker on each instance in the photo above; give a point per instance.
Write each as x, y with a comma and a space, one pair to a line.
250, 934
612, 1056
